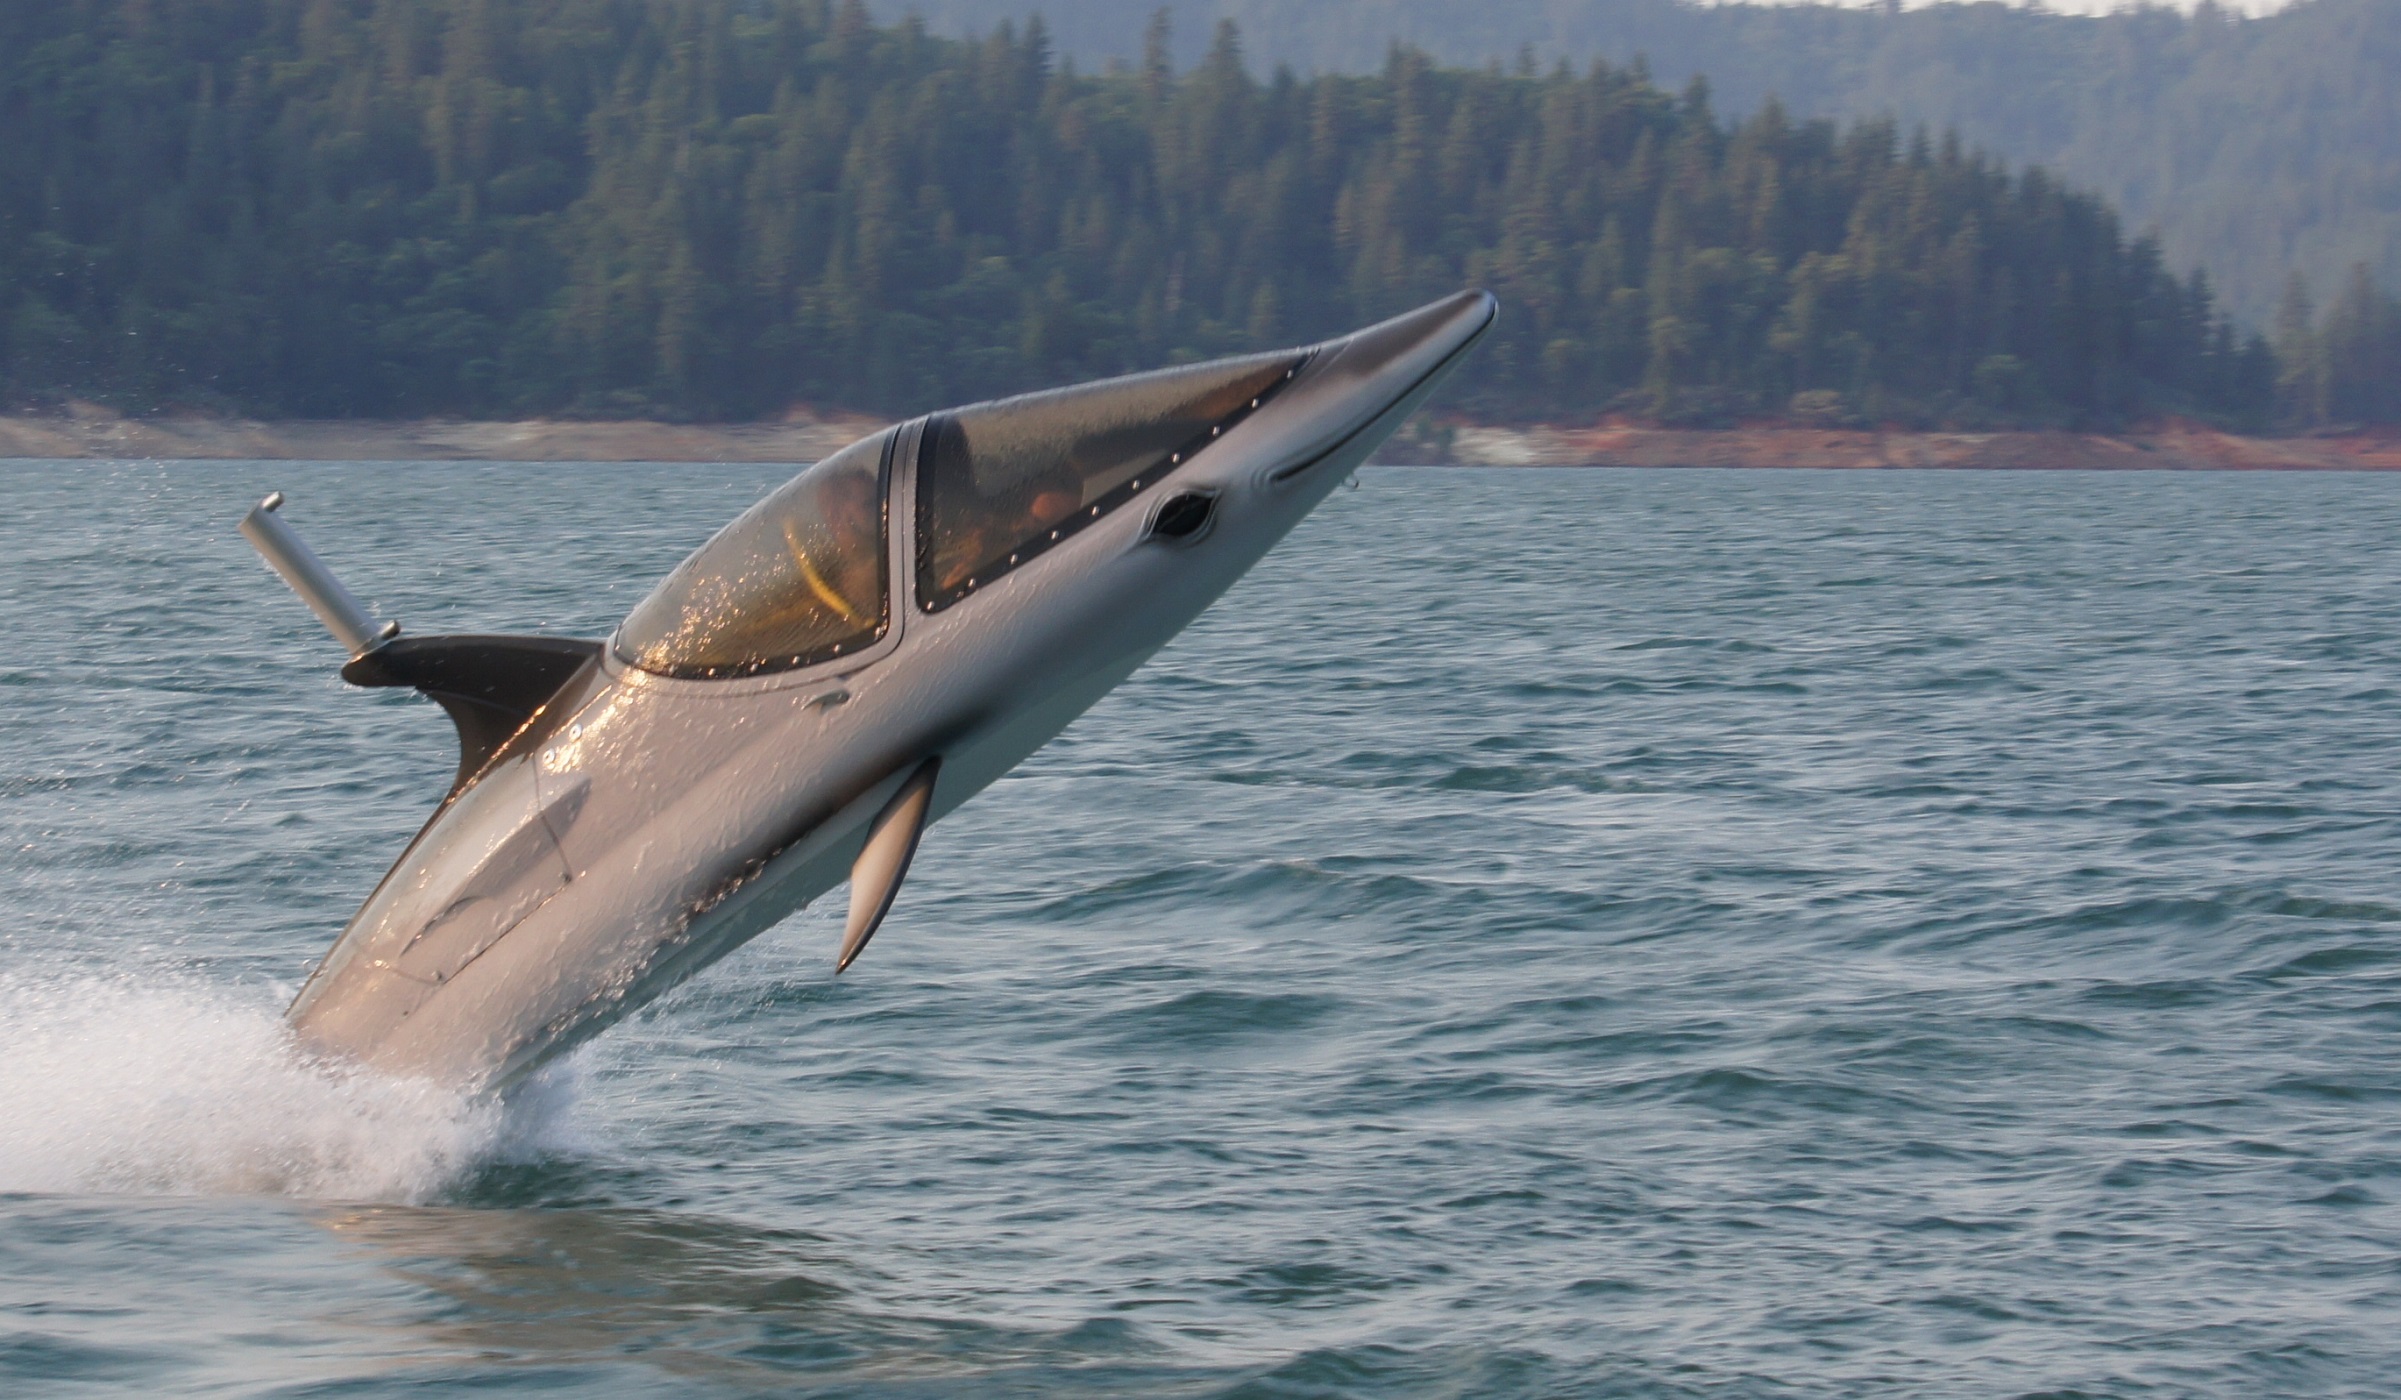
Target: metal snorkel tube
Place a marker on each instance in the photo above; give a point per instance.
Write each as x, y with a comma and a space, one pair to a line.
491, 686
335, 605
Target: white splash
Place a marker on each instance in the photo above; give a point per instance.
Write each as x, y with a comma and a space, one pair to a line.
172, 1087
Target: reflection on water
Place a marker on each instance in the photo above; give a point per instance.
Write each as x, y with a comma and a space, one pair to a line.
616, 1296
570, 1285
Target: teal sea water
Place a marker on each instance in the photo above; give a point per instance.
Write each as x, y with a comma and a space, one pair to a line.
1546, 933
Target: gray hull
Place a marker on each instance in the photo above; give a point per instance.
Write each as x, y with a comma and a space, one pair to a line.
638, 826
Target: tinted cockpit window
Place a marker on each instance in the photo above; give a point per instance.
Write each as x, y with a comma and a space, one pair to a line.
799, 578
1001, 482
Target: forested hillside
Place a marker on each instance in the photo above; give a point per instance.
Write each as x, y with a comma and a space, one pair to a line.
2255, 147
718, 207
2341, 367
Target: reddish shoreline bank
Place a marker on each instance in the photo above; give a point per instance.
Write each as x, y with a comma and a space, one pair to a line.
95, 433
92, 433
2170, 448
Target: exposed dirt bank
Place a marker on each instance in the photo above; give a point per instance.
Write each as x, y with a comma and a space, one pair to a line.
89, 432
95, 433
2174, 448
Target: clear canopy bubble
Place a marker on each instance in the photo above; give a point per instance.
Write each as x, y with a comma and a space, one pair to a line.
798, 579
1001, 482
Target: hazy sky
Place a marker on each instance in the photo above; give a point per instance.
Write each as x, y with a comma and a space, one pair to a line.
2092, 7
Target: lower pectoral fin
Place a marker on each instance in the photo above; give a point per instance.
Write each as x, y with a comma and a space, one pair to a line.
891, 840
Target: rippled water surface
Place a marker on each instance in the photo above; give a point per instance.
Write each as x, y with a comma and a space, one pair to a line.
1546, 933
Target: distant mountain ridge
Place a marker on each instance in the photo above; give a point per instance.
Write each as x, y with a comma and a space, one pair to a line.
2257, 147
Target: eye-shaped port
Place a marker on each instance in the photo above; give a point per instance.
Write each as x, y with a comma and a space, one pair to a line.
1184, 517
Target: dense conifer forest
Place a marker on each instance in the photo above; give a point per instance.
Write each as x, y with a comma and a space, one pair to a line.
2343, 367
2257, 147
717, 208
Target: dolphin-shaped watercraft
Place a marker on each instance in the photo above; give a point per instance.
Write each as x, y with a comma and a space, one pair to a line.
849, 660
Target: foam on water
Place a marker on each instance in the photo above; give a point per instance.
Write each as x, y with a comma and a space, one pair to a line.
170, 1085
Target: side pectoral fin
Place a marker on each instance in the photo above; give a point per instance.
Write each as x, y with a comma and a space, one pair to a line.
876, 875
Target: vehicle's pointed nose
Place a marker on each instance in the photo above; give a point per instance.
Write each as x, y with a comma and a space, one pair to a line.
1411, 346
1355, 392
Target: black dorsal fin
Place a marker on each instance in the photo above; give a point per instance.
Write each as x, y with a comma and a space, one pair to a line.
489, 685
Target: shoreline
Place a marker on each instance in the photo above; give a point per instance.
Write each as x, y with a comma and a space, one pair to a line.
2170, 447
88, 433
91, 433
